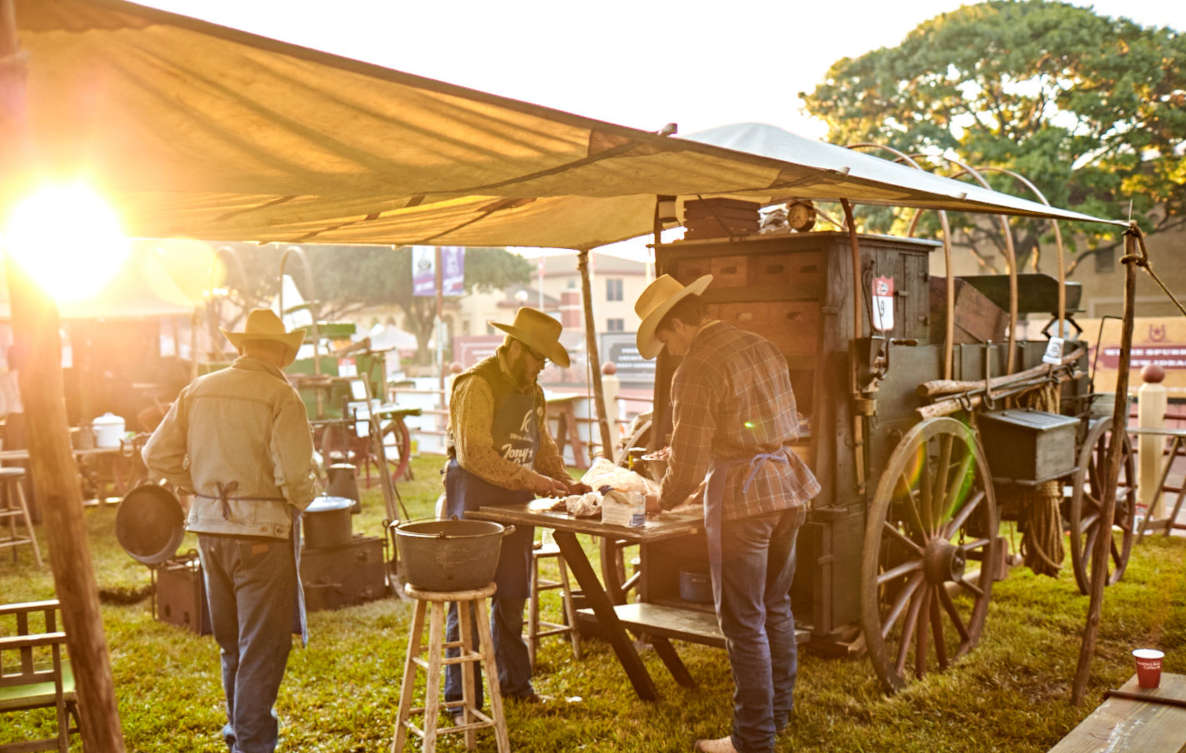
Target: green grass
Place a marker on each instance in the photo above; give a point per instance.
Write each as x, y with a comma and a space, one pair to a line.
339, 695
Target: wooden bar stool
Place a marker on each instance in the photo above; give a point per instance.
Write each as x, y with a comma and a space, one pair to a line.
537, 628
472, 718
15, 509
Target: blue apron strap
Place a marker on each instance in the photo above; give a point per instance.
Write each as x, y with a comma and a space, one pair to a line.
302, 622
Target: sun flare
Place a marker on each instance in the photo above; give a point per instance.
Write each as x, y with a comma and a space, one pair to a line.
68, 239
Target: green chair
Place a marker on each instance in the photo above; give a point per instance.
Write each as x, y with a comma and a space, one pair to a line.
33, 672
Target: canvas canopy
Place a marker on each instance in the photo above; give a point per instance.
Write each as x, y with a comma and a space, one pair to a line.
196, 130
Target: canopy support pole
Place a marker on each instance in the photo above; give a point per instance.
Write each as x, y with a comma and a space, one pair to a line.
1103, 542
55, 475
607, 446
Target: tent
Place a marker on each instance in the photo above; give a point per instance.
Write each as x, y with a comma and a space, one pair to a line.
196, 130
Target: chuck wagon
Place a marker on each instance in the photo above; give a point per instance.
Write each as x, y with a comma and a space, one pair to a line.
919, 462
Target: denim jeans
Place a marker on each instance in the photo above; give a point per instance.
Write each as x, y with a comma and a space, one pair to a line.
251, 590
510, 651
757, 568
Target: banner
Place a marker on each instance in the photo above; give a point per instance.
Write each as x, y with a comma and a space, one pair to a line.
453, 270
424, 270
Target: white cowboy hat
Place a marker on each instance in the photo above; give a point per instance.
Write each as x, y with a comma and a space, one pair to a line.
263, 324
538, 331
653, 305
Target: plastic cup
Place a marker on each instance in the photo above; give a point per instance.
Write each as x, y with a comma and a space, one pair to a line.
1148, 667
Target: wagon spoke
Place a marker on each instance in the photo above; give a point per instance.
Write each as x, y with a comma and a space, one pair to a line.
897, 572
1116, 558
896, 533
908, 629
972, 546
975, 589
943, 471
937, 627
904, 482
1089, 544
953, 613
963, 515
920, 648
900, 605
1088, 523
927, 501
957, 483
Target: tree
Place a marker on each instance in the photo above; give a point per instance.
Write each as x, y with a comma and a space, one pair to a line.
1091, 109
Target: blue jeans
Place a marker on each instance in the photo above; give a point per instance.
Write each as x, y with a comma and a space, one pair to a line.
757, 568
510, 651
251, 590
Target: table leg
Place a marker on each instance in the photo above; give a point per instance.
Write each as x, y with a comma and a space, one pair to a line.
675, 665
603, 608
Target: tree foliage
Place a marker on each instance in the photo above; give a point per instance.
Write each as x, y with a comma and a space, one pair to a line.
1090, 109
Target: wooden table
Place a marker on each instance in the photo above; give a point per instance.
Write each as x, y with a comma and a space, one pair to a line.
566, 527
1177, 447
1148, 721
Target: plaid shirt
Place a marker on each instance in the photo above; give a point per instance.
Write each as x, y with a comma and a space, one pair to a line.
731, 400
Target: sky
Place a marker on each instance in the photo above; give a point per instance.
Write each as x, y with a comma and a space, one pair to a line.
638, 63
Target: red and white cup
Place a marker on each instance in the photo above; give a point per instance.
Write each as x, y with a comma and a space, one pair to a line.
1148, 667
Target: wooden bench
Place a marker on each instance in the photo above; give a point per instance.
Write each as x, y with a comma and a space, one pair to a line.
680, 623
1131, 719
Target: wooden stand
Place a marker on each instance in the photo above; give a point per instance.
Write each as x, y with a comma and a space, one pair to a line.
472, 718
534, 624
15, 509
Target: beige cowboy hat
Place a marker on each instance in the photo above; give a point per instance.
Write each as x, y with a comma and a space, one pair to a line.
653, 305
263, 324
538, 331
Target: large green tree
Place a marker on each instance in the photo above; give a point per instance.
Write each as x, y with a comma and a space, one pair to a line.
347, 279
1091, 109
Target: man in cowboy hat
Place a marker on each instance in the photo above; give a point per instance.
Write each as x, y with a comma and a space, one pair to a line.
734, 416
500, 452
239, 441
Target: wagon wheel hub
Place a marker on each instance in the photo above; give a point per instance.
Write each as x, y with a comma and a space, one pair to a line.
942, 561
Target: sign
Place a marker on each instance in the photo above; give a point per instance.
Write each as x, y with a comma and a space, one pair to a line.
633, 369
1155, 340
424, 270
883, 304
452, 270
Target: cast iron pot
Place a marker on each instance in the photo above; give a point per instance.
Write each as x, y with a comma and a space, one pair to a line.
149, 524
326, 522
449, 555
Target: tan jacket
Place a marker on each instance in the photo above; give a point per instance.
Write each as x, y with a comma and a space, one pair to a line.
243, 427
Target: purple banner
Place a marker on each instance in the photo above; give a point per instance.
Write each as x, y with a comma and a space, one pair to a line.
453, 270
424, 272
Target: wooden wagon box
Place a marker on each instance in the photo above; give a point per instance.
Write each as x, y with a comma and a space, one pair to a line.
340, 576
1028, 446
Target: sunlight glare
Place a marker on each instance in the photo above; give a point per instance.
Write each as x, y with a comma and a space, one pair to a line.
68, 239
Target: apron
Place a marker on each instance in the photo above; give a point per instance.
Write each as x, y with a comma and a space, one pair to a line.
300, 622
714, 503
515, 434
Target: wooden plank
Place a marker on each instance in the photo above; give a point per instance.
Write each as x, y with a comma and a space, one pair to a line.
691, 625
1121, 725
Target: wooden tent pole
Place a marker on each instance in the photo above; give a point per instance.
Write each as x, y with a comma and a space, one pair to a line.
1103, 542
607, 446
55, 476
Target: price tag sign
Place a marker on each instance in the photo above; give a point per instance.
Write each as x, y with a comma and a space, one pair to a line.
347, 367
883, 304
1053, 352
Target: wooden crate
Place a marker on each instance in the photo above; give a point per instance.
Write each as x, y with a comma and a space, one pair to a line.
977, 319
1028, 445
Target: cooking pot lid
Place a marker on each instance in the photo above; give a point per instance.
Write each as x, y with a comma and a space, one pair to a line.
149, 524
325, 503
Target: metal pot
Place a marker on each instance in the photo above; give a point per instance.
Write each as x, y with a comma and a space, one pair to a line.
449, 555
149, 524
326, 522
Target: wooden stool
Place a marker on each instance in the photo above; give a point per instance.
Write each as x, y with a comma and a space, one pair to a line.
534, 623
472, 718
14, 508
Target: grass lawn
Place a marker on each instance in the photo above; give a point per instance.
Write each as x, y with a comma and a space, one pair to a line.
339, 695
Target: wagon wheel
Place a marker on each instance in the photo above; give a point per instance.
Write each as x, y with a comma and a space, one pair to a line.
933, 511
1087, 503
613, 569
397, 449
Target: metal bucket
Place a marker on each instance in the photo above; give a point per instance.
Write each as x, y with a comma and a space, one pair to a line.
326, 522
149, 524
449, 555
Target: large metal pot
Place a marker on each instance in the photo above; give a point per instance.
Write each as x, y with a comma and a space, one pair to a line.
326, 522
449, 555
149, 524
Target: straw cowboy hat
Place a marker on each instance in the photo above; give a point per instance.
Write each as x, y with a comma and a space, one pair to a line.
263, 324
653, 305
538, 331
